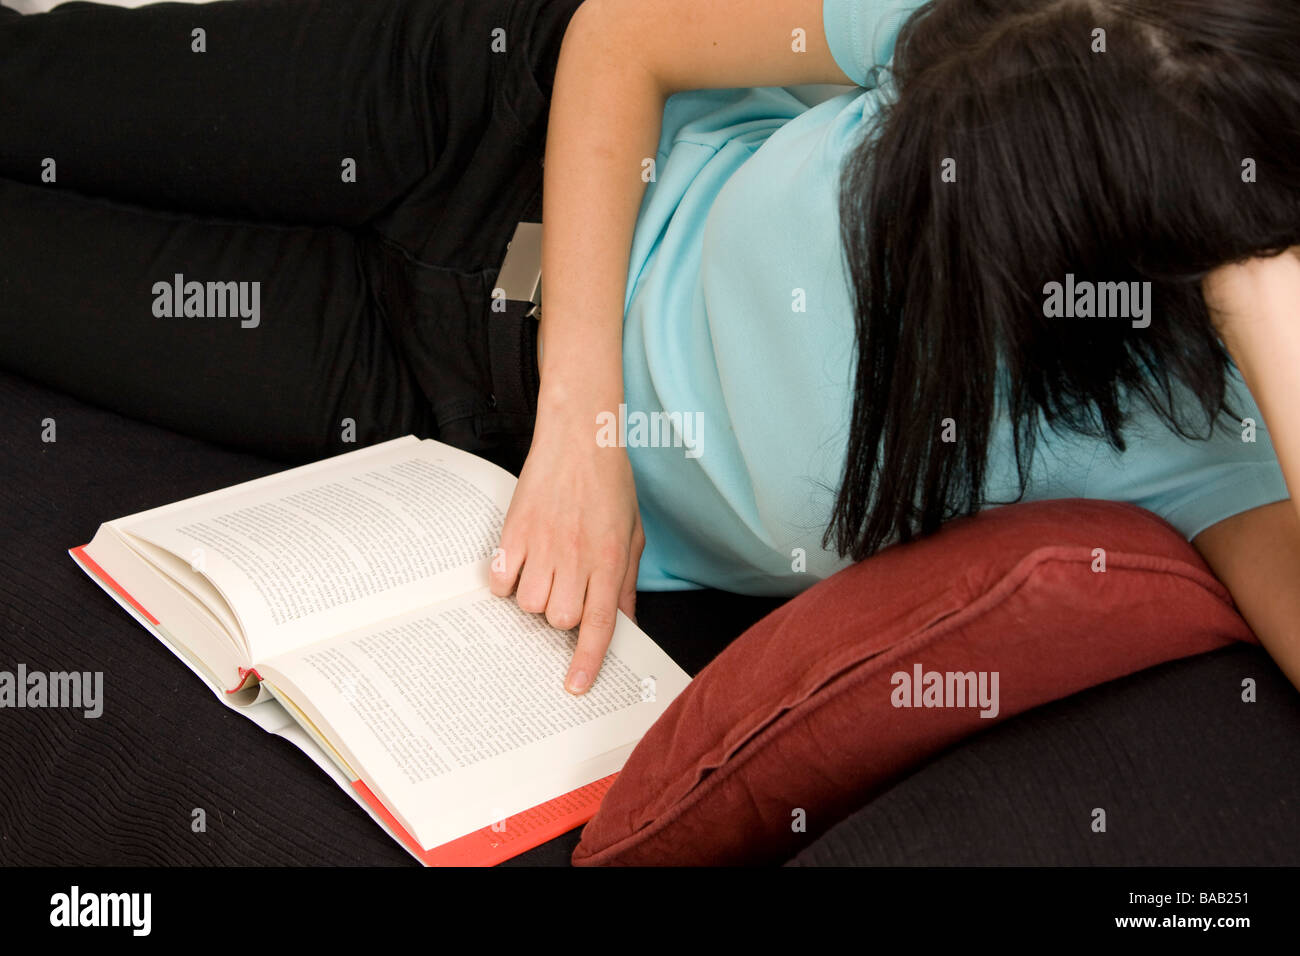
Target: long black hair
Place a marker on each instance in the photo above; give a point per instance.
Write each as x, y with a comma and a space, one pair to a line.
1014, 152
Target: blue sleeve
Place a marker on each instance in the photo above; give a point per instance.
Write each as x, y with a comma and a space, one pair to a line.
1193, 484
861, 33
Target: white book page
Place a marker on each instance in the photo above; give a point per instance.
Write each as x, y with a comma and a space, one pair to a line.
182, 621
266, 712
456, 715
324, 550
194, 585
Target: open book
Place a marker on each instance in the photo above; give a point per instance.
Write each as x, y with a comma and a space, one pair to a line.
345, 606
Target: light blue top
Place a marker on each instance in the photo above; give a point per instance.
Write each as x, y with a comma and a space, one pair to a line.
739, 321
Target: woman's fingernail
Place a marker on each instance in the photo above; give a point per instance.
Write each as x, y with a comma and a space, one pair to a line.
578, 682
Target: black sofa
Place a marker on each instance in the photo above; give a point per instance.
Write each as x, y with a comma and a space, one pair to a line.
1187, 772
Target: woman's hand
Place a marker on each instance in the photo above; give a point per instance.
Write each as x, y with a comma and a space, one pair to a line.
572, 537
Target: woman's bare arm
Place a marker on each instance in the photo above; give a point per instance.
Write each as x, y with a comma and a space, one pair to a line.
1256, 554
572, 538
1255, 306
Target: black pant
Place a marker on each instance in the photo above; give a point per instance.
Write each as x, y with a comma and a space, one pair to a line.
231, 165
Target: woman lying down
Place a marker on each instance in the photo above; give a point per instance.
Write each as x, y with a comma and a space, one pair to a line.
1040, 249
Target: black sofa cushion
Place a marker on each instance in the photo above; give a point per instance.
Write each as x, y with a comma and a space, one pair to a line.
1186, 771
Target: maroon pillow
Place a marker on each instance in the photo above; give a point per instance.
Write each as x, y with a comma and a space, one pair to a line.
801, 718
